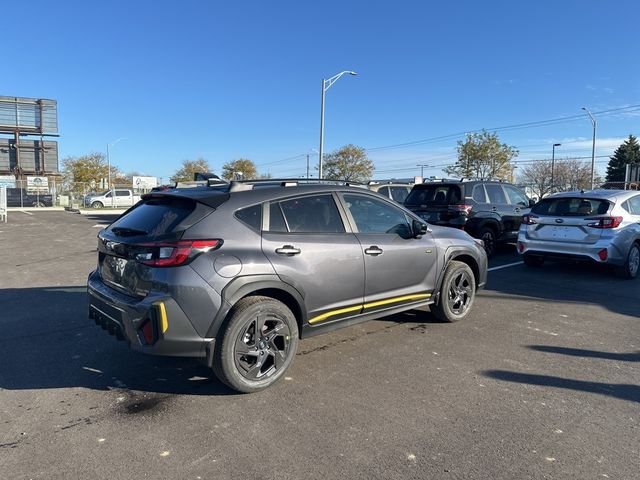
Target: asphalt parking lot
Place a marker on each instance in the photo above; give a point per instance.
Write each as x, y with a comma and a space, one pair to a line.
542, 381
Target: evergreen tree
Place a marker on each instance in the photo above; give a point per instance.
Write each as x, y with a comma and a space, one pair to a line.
627, 152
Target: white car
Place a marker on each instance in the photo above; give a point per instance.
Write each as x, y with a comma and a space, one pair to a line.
601, 226
122, 198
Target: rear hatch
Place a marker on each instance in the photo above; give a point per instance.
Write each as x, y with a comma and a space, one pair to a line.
567, 219
438, 203
148, 236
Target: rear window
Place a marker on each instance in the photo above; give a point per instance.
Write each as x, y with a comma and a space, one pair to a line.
577, 207
159, 218
434, 195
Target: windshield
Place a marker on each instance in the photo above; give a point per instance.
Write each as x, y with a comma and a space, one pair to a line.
577, 207
435, 194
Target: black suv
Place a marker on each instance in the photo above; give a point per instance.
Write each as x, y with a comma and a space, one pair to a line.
486, 209
235, 275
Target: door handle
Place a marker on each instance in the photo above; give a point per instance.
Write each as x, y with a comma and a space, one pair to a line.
373, 250
287, 250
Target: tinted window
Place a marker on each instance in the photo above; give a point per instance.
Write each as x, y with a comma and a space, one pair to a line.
516, 197
571, 206
479, 195
434, 194
384, 191
251, 216
316, 214
375, 216
495, 193
399, 194
122, 193
159, 217
276, 219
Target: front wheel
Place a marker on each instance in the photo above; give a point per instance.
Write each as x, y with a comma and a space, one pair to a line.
456, 294
258, 344
632, 265
97, 205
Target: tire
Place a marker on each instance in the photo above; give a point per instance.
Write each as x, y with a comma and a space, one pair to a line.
631, 267
489, 237
265, 359
533, 260
38, 204
457, 293
97, 205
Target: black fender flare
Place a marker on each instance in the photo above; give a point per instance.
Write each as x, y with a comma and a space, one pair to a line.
450, 254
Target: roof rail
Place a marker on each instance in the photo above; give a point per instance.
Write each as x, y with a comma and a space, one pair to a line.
241, 185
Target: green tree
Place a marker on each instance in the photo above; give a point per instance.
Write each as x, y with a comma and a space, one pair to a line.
348, 163
628, 152
242, 167
482, 155
189, 167
87, 171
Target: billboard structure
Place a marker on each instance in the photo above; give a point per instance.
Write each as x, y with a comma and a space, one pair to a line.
22, 117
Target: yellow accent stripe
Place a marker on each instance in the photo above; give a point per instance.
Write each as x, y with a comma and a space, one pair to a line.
164, 324
324, 316
397, 299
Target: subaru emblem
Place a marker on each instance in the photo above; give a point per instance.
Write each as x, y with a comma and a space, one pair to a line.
559, 220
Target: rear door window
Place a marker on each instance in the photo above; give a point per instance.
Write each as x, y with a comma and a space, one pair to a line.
122, 193
399, 194
384, 191
567, 206
434, 195
312, 214
479, 195
495, 193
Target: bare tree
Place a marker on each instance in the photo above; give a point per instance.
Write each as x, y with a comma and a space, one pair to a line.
569, 174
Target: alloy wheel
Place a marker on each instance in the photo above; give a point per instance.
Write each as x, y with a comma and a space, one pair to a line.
460, 293
634, 261
262, 347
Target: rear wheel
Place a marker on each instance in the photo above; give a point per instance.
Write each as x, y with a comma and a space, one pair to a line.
258, 344
456, 294
533, 260
632, 265
488, 236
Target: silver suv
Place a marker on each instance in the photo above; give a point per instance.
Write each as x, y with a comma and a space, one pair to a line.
237, 275
601, 226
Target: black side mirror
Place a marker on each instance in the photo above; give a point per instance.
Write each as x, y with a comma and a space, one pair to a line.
532, 202
419, 228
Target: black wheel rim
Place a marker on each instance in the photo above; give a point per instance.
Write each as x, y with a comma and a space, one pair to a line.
262, 347
489, 242
460, 293
634, 261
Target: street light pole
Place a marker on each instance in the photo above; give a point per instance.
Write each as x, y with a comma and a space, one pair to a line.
326, 84
593, 147
553, 161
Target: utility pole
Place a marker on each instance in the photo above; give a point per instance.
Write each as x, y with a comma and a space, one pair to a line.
307, 166
553, 161
422, 165
593, 147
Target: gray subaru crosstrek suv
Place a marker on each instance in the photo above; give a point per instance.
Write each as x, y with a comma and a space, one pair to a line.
237, 275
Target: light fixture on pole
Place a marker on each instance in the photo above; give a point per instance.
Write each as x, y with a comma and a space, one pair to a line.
326, 85
593, 147
553, 162
109, 145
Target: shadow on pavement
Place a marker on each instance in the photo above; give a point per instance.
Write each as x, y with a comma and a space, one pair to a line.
568, 283
621, 391
48, 341
578, 352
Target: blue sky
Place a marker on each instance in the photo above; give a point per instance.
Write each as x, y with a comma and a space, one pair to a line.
225, 80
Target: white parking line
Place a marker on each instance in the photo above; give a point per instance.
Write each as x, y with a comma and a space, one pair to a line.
26, 213
500, 267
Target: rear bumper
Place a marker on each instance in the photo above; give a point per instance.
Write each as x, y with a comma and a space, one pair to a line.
573, 251
124, 317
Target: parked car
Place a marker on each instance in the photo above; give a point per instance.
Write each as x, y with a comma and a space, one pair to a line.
20, 197
601, 226
237, 276
396, 191
122, 198
486, 209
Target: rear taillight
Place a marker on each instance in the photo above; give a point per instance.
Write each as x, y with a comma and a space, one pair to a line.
604, 222
520, 247
173, 254
463, 208
529, 219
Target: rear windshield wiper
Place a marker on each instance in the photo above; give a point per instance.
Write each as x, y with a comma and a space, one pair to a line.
128, 232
